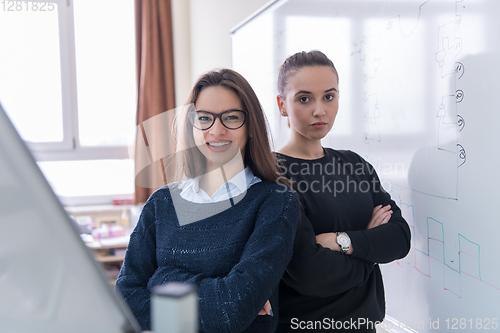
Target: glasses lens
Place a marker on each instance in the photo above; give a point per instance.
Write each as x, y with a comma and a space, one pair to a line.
233, 119
201, 120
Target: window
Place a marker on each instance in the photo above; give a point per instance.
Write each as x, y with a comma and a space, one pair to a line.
31, 73
67, 81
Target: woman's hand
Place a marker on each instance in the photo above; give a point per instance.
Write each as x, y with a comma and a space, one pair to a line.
266, 310
328, 240
381, 215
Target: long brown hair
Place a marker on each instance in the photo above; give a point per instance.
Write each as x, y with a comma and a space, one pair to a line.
257, 154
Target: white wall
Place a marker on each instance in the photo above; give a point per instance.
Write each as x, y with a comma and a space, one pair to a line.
201, 37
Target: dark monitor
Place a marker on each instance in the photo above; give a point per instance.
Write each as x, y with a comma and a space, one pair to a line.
49, 280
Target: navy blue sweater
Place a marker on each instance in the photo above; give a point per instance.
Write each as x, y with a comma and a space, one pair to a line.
236, 256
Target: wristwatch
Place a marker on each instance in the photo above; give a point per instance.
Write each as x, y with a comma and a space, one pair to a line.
344, 242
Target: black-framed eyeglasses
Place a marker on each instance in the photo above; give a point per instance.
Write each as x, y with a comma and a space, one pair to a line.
231, 119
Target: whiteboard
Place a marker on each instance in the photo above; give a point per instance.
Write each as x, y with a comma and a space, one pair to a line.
419, 100
49, 280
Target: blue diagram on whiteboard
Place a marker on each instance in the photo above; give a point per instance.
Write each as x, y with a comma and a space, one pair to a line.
429, 250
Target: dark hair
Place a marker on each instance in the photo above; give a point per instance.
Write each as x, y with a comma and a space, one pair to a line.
257, 154
299, 60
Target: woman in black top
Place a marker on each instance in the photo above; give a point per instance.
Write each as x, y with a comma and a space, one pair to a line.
349, 223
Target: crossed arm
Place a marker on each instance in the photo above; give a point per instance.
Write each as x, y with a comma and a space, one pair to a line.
226, 303
386, 238
381, 215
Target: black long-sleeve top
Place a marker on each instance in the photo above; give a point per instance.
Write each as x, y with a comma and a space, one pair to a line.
338, 193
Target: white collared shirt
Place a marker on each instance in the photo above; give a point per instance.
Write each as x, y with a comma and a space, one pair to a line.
191, 191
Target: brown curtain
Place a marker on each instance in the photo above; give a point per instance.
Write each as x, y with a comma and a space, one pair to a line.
156, 94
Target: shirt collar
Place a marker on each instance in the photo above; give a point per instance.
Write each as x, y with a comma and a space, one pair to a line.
242, 181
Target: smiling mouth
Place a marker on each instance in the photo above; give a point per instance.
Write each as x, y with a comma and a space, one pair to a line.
218, 144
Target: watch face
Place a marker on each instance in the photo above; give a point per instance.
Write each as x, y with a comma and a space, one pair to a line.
343, 240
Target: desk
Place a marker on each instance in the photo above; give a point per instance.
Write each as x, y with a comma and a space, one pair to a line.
110, 256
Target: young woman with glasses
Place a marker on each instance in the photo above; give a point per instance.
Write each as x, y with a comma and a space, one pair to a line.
227, 225
349, 224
